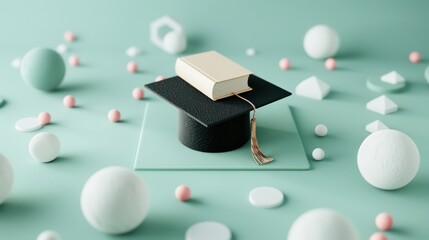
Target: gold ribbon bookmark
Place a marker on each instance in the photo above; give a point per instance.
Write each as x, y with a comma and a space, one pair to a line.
259, 157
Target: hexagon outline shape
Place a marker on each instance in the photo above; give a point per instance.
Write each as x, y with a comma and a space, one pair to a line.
159, 23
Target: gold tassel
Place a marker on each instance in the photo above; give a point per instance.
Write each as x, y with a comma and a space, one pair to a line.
259, 157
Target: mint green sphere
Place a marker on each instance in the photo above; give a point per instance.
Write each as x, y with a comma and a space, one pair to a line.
43, 68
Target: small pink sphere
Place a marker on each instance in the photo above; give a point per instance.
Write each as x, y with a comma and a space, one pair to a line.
138, 93
415, 57
378, 236
69, 101
159, 78
69, 36
284, 64
132, 67
114, 115
384, 221
330, 64
74, 60
183, 193
44, 118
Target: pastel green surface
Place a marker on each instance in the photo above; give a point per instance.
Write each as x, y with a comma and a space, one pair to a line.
277, 135
375, 38
376, 85
43, 68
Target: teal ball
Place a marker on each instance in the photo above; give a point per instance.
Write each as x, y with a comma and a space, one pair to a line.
43, 68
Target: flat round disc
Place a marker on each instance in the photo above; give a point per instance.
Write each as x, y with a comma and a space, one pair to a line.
376, 85
28, 124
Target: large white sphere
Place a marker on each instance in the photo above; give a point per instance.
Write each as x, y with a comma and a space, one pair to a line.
44, 147
321, 42
174, 42
6, 178
388, 159
48, 235
322, 224
114, 200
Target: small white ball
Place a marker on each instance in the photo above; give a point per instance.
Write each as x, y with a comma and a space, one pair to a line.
44, 147
322, 224
250, 52
6, 178
114, 200
321, 130
388, 159
321, 42
48, 235
318, 154
174, 42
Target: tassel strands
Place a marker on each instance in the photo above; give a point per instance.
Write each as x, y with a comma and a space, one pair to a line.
259, 157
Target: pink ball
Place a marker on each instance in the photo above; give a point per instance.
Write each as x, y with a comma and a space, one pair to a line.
330, 64
74, 61
384, 221
183, 193
44, 118
284, 64
69, 101
159, 78
415, 57
138, 93
114, 115
132, 67
69, 36
378, 236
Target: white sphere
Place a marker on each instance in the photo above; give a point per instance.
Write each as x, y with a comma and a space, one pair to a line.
174, 42
322, 224
48, 235
44, 147
388, 159
321, 42
318, 154
114, 200
321, 130
6, 178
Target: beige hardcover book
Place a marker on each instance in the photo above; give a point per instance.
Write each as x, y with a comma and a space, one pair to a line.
213, 74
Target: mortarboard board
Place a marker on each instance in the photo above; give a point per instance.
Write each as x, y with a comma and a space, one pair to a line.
215, 126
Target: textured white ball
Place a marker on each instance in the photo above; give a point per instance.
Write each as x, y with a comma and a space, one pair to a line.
321, 130
321, 42
44, 147
114, 200
388, 159
174, 42
6, 178
318, 154
322, 224
48, 235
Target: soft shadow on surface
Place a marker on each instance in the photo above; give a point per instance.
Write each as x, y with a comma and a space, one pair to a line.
351, 53
15, 208
417, 188
76, 86
160, 227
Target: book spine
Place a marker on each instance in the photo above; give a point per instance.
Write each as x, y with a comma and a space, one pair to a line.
194, 77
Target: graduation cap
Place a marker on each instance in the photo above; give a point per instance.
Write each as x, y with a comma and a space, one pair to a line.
217, 126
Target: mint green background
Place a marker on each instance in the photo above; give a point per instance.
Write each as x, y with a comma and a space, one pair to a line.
376, 38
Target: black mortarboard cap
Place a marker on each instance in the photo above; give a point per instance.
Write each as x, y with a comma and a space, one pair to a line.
215, 126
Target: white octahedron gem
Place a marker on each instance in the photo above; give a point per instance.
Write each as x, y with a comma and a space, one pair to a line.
375, 126
382, 105
313, 87
393, 77
62, 48
174, 41
133, 51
